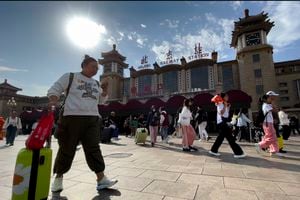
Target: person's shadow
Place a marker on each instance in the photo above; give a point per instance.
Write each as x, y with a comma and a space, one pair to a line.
106, 194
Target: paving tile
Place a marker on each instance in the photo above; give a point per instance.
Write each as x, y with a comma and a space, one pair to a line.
121, 194
192, 170
272, 196
290, 188
202, 180
248, 184
80, 191
178, 190
126, 172
267, 174
293, 198
225, 194
160, 175
183, 163
223, 172
172, 198
131, 183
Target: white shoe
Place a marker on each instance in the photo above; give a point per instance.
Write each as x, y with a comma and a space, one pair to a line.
278, 154
105, 183
200, 140
214, 154
7, 145
257, 148
240, 156
57, 185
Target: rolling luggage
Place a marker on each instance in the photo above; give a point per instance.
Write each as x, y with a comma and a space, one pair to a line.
141, 135
105, 135
32, 174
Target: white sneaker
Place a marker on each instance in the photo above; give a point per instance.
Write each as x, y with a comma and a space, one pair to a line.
200, 140
214, 154
278, 154
257, 148
105, 183
7, 145
240, 156
57, 185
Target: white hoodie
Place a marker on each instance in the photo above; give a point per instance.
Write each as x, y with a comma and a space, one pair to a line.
83, 97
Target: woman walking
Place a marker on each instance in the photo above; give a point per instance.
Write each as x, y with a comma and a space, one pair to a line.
223, 119
270, 138
188, 132
79, 123
12, 125
153, 123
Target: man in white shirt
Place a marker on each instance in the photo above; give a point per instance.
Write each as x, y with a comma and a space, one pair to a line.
284, 123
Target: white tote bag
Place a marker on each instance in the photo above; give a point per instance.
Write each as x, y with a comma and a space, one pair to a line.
184, 121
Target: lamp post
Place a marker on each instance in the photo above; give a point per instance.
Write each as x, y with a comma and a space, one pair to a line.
11, 103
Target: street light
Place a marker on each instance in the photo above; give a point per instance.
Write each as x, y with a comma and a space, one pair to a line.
12, 102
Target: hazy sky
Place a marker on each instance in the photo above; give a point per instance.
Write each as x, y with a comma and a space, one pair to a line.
35, 49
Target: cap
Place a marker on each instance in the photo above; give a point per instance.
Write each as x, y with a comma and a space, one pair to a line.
272, 93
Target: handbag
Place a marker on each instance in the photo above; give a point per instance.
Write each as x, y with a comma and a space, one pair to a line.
41, 133
184, 121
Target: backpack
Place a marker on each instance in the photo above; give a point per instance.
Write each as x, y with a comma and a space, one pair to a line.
155, 119
260, 118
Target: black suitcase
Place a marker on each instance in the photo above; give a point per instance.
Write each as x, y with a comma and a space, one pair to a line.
105, 135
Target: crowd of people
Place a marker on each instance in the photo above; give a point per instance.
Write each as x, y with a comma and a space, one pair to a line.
79, 123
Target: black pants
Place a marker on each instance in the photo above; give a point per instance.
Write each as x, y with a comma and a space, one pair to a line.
75, 129
286, 132
295, 129
244, 133
11, 134
225, 132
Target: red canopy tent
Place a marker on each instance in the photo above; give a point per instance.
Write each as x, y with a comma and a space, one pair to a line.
174, 103
239, 99
154, 101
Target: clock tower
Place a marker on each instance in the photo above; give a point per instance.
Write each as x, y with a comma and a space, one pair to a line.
254, 55
113, 73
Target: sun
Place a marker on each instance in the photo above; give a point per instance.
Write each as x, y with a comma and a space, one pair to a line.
84, 32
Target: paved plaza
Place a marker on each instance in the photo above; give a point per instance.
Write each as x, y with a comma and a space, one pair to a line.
165, 172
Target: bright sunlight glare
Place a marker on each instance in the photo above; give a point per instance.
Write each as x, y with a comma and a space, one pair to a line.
84, 33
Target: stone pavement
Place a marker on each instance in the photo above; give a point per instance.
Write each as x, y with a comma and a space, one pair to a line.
165, 172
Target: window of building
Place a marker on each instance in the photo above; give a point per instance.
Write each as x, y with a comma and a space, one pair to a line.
284, 91
107, 68
144, 85
255, 58
282, 84
170, 81
227, 74
120, 70
284, 98
257, 73
126, 87
297, 87
199, 77
259, 89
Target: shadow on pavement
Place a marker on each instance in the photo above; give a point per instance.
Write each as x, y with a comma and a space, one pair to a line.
263, 162
106, 194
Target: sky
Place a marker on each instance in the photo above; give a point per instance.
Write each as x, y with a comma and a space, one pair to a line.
35, 49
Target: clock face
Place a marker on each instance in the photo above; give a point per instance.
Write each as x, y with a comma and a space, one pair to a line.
253, 39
